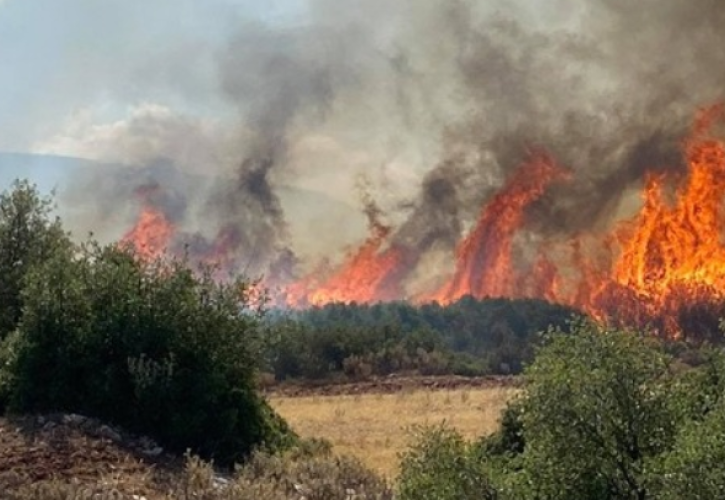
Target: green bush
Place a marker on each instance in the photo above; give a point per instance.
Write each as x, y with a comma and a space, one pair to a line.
28, 236
597, 410
154, 347
695, 467
469, 337
441, 465
603, 415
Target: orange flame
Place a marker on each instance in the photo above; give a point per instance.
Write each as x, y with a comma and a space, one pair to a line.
672, 256
484, 262
368, 275
151, 235
665, 265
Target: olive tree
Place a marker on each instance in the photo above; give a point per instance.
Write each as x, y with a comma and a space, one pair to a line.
29, 234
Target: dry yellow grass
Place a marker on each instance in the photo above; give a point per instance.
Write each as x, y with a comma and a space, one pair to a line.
373, 427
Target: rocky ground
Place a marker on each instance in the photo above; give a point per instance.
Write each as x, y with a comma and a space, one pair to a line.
73, 450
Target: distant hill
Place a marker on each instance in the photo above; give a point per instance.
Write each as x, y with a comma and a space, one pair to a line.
47, 171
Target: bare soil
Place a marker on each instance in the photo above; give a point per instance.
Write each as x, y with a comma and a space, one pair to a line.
389, 385
63, 449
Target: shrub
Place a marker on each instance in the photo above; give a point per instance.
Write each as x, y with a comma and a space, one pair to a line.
296, 474
28, 236
695, 468
595, 413
441, 465
154, 347
603, 415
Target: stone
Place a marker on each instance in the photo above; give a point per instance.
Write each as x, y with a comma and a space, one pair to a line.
108, 433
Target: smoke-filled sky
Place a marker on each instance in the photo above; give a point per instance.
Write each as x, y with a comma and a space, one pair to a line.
64, 61
294, 117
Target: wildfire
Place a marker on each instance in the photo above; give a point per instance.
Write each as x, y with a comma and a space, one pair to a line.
672, 255
664, 268
368, 275
484, 258
153, 232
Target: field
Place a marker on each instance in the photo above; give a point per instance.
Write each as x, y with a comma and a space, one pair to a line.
373, 423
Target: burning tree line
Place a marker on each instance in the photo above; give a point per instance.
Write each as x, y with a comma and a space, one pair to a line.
662, 269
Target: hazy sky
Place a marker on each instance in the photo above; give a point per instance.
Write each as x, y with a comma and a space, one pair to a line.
426, 106
61, 59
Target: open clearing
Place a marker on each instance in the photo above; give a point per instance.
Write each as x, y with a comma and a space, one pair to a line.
374, 426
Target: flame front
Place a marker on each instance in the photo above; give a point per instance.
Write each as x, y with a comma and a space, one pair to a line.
664, 268
153, 232
484, 258
368, 275
672, 255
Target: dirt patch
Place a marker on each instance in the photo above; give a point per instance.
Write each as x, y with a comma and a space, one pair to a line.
71, 449
389, 385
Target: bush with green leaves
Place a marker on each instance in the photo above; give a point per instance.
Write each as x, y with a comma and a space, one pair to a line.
597, 411
153, 346
442, 465
604, 414
28, 236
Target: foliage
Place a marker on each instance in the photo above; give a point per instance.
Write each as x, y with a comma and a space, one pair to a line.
28, 236
470, 337
695, 467
175, 346
603, 415
304, 350
596, 412
153, 346
441, 465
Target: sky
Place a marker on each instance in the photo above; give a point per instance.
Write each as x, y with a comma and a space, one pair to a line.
355, 100
62, 61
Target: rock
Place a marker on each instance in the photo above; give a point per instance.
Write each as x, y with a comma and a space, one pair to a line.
108, 433
152, 452
74, 419
220, 482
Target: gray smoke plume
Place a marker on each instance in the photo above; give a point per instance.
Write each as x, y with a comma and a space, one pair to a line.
449, 96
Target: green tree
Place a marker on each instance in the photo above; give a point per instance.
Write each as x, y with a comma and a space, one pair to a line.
596, 413
155, 347
695, 468
28, 236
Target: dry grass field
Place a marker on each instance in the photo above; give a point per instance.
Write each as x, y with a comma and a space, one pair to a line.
375, 427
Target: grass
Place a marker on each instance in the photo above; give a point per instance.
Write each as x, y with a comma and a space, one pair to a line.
373, 427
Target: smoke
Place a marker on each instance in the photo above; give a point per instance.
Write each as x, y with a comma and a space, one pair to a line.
436, 103
608, 88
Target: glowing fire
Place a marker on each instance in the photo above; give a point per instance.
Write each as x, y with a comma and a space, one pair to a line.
153, 232
663, 268
672, 255
368, 275
484, 258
